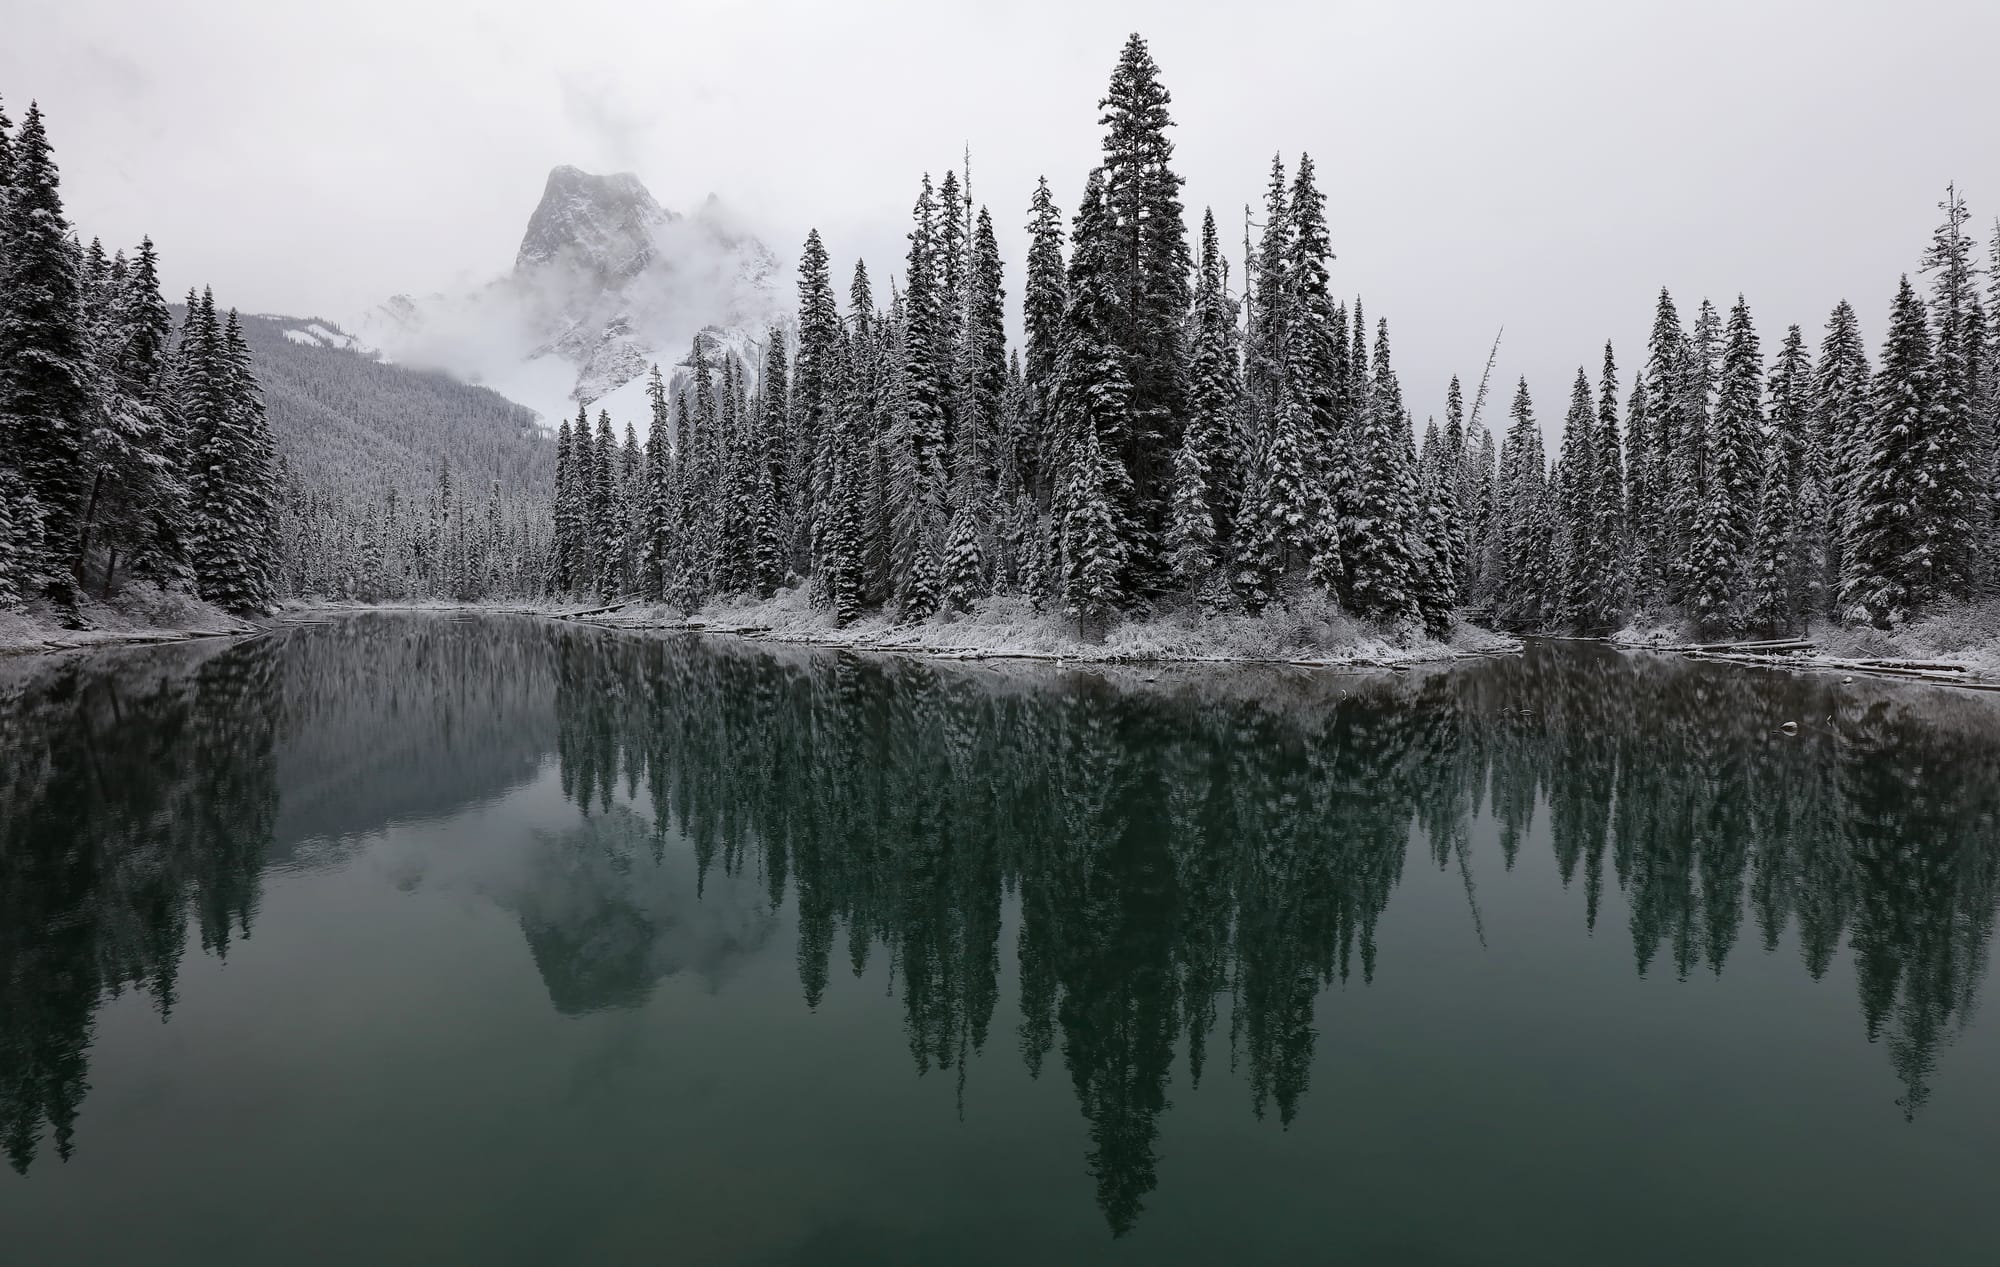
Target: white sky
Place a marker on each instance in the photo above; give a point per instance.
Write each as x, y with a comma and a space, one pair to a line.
1543, 165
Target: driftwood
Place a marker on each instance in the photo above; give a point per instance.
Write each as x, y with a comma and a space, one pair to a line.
1772, 647
1906, 664
595, 611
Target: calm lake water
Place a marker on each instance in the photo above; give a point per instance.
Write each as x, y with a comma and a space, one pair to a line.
422, 940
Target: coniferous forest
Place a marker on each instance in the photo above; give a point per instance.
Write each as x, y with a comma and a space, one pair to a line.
1172, 435
128, 448
1174, 432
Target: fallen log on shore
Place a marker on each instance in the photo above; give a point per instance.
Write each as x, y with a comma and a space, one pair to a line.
1772, 646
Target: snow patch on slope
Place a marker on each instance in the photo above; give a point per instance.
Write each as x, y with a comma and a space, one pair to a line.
321, 334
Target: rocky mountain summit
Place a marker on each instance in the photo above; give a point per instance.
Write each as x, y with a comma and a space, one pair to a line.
606, 283
602, 223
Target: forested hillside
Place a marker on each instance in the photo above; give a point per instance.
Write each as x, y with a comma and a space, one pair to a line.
350, 424
396, 482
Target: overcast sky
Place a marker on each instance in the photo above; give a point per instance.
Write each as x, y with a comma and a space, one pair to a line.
1543, 165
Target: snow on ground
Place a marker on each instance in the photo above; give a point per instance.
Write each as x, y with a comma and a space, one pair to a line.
1960, 644
138, 613
1647, 631
1968, 636
1008, 627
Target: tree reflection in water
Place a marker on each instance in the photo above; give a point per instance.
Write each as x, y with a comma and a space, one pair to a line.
1188, 863
1240, 835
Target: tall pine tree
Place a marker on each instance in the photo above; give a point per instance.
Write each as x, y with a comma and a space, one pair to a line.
1889, 564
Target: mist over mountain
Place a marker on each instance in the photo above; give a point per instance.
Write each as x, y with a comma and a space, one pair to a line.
606, 282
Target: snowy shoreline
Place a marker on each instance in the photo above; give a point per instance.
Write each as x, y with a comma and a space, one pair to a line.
1002, 629
1311, 636
1958, 646
140, 616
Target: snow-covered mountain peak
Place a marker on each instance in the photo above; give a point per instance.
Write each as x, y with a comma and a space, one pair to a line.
605, 224
606, 283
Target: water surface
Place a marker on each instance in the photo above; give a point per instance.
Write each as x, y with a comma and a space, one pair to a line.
414, 939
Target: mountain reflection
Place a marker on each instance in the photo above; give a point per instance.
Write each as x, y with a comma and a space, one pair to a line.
1184, 865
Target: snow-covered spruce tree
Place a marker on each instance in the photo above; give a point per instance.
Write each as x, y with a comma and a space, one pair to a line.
563, 578
836, 570
1275, 465
1207, 471
1313, 371
606, 535
770, 508
137, 506
1956, 496
701, 492
1650, 503
1192, 545
1687, 468
257, 461
1457, 478
1269, 309
45, 368
745, 453
1575, 492
887, 425
631, 495
1980, 333
918, 494
231, 480
1014, 499
1436, 581
1790, 420
1044, 296
1774, 601
1889, 571
20, 531
1298, 482
657, 516
965, 578
1518, 547
1610, 562
1378, 541
683, 580
1989, 400
1093, 412
950, 243
1355, 400
1482, 476
813, 404
735, 485
1148, 267
980, 372
1733, 440
1091, 547
980, 380
852, 533
1840, 427
1641, 573
6, 176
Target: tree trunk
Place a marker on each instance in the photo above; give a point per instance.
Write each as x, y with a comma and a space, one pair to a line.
89, 521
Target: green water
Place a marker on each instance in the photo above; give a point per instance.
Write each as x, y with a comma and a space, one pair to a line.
422, 940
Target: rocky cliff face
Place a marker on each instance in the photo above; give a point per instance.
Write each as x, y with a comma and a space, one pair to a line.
604, 224
606, 283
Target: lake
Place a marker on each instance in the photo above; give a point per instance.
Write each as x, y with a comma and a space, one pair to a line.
422, 939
